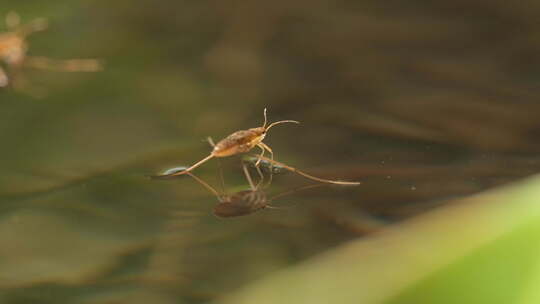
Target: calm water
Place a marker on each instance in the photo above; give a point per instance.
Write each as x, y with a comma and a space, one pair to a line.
421, 104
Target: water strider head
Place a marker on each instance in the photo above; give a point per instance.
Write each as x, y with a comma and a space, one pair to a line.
261, 131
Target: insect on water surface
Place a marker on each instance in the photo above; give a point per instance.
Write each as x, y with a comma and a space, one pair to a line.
243, 141
238, 142
14, 48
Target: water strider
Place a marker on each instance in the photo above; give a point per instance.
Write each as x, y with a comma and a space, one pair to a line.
245, 140
14, 48
238, 142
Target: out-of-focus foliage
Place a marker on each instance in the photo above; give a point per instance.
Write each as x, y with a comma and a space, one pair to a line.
482, 249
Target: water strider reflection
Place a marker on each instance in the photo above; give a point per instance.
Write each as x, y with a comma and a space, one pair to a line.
247, 201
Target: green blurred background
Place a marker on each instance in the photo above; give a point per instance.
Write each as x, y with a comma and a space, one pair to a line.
421, 101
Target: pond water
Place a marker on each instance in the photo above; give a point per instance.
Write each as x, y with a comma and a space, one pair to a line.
421, 104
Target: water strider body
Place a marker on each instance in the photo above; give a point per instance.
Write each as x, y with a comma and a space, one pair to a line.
238, 142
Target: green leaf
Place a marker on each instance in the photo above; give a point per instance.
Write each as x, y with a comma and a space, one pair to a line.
483, 249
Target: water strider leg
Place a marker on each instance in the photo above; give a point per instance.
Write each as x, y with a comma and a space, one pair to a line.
210, 156
206, 185
322, 180
265, 146
258, 168
260, 145
68, 65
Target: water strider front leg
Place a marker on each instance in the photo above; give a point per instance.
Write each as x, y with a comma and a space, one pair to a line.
261, 175
260, 145
266, 147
